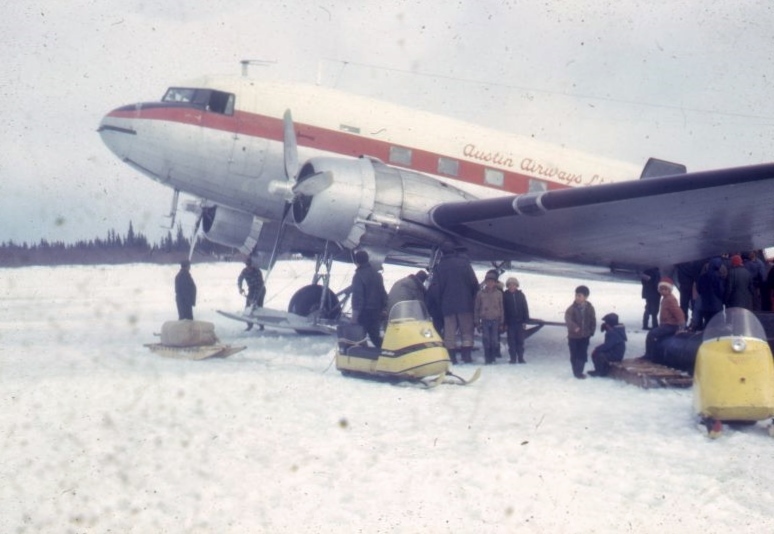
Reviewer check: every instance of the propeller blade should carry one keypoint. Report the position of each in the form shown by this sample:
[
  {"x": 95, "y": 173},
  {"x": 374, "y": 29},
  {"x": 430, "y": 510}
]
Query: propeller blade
[
  {"x": 290, "y": 147},
  {"x": 314, "y": 184}
]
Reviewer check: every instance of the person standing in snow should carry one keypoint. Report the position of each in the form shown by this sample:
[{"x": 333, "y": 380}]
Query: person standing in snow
[
  {"x": 581, "y": 321},
  {"x": 185, "y": 291},
  {"x": 739, "y": 286},
  {"x": 457, "y": 289},
  {"x": 488, "y": 316},
  {"x": 649, "y": 279},
  {"x": 369, "y": 297},
  {"x": 516, "y": 313},
  {"x": 256, "y": 289}
]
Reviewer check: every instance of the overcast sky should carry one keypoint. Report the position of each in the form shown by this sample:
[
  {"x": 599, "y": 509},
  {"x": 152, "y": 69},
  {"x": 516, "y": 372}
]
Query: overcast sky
[{"x": 686, "y": 81}]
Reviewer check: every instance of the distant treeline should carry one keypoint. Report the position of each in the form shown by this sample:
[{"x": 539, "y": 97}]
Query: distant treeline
[{"x": 133, "y": 247}]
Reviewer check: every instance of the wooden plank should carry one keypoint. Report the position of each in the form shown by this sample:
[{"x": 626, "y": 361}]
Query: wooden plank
[{"x": 646, "y": 374}]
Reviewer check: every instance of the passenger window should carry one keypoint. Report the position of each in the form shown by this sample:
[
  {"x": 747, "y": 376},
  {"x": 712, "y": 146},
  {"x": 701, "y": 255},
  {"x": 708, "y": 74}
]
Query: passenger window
[
  {"x": 400, "y": 155},
  {"x": 537, "y": 186},
  {"x": 448, "y": 166},
  {"x": 494, "y": 177}
]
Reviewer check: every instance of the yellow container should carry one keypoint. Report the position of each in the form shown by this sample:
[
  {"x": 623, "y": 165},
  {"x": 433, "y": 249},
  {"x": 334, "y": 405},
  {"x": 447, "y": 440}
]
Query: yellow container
[{"x": 734, "y": 374}]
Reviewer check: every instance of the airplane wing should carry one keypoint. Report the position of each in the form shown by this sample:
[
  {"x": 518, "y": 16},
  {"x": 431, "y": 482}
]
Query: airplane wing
[{"x": 654, "y": 221}]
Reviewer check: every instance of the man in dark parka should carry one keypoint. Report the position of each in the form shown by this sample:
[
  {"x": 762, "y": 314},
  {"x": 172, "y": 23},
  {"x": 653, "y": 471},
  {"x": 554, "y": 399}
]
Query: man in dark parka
[
  {"x": 185, "y": 291},
  {"x": 457, "y": 288},
  {"x": 369, "y": 297}
]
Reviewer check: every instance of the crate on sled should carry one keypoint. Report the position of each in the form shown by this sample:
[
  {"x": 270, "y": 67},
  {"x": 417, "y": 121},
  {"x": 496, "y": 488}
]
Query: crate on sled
[{"x": 188, "y": 333}]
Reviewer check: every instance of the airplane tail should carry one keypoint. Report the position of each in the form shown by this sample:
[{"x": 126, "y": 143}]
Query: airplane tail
[{"x": 655, "y": 168}]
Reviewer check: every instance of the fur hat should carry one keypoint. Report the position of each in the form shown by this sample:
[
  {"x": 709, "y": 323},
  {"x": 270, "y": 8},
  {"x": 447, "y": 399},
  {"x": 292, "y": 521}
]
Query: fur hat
[
  {"x": 583, "y": 290},
  {"x": 666, "y": 282},
  {"x": 421, "y": 276},
  {"x": 736, "y": 260},
  {"x": 361, "y": 257},
  {"x": 512, "y": 280}
]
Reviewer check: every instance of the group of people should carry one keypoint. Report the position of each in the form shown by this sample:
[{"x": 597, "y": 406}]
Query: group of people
[
  {"x": 731, "y": 280},
  {"x": 185, "y": 289},
  {"x": 581, "y": 320},
  {"x": 457, "y": 302},
  {"x": 460, "y": 305}
]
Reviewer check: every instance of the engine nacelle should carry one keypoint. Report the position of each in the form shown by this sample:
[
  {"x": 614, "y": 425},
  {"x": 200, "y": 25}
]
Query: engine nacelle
[
  {"x": 231, "y": 228},
  {"x": 367, "y": 193},
  {"x": 226, "y": 226},
  {"x": 332, "y": 213}
]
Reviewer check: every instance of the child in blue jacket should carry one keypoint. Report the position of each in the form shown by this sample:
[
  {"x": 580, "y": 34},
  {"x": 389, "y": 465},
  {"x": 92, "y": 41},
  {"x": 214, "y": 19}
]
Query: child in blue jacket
[{"x": 614, "y": 347}]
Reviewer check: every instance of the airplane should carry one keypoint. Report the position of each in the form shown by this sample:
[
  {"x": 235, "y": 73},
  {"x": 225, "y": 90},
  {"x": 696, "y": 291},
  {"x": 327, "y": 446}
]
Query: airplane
[{"x": 281, "y": 167}]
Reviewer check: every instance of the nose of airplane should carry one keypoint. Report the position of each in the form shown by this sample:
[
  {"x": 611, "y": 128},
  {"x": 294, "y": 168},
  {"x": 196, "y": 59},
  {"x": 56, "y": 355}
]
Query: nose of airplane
[{"x": 118, "y": 132}]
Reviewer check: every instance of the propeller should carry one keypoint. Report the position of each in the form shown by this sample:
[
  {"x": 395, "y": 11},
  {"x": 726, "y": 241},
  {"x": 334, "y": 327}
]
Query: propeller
[
  {"x": 294, "y": 185},
  {"x": 289, "y": 146}
]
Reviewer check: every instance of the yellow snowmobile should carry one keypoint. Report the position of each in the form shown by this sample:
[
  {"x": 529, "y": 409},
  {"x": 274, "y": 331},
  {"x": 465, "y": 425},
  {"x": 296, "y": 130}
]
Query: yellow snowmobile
[
  {"x": 734, "y": 376},
  {"x": 411, "y": 350}
]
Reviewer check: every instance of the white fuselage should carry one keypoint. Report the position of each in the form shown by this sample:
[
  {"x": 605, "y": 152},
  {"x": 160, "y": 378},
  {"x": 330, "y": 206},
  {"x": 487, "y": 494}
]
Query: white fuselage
[{"x": 230, "y": 158}]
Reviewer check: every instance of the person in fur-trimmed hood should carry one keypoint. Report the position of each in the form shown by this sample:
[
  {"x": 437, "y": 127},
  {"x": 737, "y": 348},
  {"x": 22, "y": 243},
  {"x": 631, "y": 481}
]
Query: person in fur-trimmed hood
[
  {"x": 613, "y": 348},
  {"x": 671, "y": 318}
]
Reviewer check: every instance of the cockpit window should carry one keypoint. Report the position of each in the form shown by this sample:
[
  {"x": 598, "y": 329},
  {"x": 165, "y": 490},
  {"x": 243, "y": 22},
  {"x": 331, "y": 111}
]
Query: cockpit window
[
  {"x": 207, "y": 99},
  {"x": 178, "y": 94}
]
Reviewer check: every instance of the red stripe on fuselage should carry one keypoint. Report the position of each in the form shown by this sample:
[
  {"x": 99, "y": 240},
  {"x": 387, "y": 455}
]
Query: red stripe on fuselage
[{"x": 244, "y": 123}]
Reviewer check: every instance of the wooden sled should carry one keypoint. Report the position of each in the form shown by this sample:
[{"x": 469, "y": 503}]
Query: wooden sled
[
  {"x": 201, "y": 352},
  {"x": 646, "y": 374}
]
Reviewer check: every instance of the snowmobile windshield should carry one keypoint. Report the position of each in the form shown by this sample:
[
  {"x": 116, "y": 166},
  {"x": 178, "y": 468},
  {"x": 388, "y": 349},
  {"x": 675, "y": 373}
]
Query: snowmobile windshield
[
  {"x": 408, "y": 310},
  {"x": 736, "y": 322}
]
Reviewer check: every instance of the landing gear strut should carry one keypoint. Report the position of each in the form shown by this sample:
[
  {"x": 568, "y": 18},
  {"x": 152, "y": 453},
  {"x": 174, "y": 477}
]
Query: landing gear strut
[{"x": 317, "y": 301}]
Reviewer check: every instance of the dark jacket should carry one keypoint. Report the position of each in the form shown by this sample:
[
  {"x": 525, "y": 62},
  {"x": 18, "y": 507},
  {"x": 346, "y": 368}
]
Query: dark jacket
[
  {"x": 515, "y": 307},
  {"x": 457, "y": 284},
  {"x": 614, "y": 345},
  {"x": 739, "y": 290},
  {"x": 368, "y": 291},
  {"x": 408, "y": 288},
  {"x": 650, "y": 279},
  {"x": 252, "y": 276},
  {"x": 185, "y": 288},
  {"x": 711, "y": 287}
]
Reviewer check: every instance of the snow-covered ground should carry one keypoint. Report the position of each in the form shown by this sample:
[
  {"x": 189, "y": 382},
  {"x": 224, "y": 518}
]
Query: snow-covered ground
[{"x": 98, "y": 434}]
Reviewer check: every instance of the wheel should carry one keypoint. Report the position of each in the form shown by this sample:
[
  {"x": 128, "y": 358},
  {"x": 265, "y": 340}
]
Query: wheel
[{"x": 306, "y": 302}]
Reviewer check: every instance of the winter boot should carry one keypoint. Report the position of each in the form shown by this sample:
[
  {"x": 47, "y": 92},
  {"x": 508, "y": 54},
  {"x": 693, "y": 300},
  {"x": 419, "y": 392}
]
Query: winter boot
[
  {"x": 453, "y": 356},
  {"x": 466, "y": 358},
  {"x": 521, "y": 358},
  {"x": 488, "y": 356}
]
